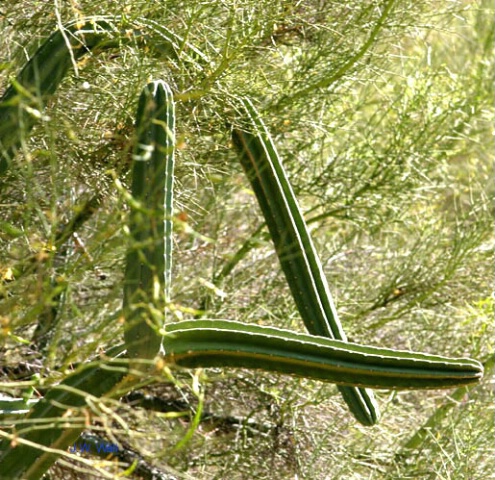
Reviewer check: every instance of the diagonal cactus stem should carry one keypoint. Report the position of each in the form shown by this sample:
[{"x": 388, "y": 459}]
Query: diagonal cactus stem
[
  {"x": 31, "y": 459},
  {"x": 293, "y": 244}
]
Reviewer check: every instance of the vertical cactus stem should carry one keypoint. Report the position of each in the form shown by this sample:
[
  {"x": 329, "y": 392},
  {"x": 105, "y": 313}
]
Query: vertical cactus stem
[{"x": 149, "y": 258}]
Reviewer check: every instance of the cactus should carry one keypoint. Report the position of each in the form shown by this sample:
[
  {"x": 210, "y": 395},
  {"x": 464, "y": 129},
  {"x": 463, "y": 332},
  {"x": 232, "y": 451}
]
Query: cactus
[
  {"x": 149, "y": 259},
  {"x": 221, "y": 343},
  {"x": 147, "y": 285},
  {"x": 294, "y": 247},
  {"x": 26, "y": 456}
]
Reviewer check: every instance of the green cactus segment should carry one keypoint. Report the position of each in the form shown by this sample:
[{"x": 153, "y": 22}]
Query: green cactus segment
[
  {"x": 295, "y": 249},
  {"x": 54, "y": 421},
  {"x": 222, "y": 343},
  {"x": 22, "y": 104},
  {"x": 149, "y": 258}
]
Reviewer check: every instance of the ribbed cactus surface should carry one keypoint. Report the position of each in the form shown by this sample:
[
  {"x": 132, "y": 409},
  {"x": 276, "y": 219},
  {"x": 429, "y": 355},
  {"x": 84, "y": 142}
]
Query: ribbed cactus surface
[{"x": 149, "y": 257}]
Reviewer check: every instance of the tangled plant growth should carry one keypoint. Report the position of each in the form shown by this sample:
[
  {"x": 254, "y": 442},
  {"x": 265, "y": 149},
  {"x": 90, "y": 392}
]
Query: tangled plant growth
[
  {"x": 382, "y": 179},
  {"x": 148, "y": 272}
]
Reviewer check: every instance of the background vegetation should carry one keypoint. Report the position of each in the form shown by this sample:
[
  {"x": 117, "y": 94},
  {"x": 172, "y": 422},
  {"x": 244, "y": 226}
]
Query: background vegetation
[{"x": 382, "y": 111}]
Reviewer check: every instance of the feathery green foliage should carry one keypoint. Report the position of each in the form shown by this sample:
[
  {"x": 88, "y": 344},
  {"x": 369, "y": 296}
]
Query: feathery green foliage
[{"x": 391, "y": 173}]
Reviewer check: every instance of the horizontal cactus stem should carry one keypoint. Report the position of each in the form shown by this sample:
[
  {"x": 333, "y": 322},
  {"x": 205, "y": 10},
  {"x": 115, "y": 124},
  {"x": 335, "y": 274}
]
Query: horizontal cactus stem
[{"x": 216, "y": 343}]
